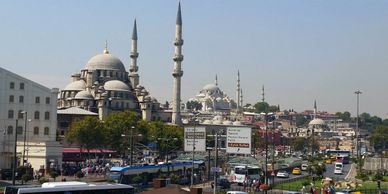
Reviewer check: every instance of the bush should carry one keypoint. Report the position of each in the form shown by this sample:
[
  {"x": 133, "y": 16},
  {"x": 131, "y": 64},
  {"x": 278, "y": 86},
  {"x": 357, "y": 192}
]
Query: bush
[
  {"x": 378, "y": 177},
  {"x": 43, "y": 180},
  {"x": 363, "y": 176},
  {"x": 174, "y": 179},
  {"x": 26, "y": 177},
  {"x": 137, "y": 179},
  {"x": 54, "y": 174},
  {"x": 79, "y": 174}
]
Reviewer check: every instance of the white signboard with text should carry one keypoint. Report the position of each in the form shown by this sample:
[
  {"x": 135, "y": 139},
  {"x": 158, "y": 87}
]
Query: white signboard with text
[
  {"x": 238, "y": 140},
  {"x": 195, "y": 137}
]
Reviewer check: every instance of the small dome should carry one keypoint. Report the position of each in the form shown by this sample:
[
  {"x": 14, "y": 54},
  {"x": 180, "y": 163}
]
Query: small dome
[
  {"x": 105, "y": 62},
  {"x": 76, "y": 85},
  {"x": 83, "y": 95},
  {"x": 116, "y": 85},
  {"x": 317, "y": 122}
]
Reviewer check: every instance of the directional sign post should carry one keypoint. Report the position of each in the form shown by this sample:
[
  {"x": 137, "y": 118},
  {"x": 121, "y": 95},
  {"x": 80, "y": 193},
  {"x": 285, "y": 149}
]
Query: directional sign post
[{"x": 238, "y": 140}]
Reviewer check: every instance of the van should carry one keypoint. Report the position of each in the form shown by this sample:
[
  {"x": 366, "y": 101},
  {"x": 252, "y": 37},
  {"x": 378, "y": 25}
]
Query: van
[
  {"x": 304, "y": 167},
  {"x": 236, "y": 192}
]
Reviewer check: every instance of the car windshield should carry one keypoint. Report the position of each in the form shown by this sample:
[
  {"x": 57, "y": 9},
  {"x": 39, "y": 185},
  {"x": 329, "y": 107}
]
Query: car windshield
[{"x": 240, "y": 171}]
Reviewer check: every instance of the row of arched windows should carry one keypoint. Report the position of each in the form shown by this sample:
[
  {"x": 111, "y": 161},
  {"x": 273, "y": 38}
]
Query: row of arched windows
[
  {"x": 11, "y": 115},
  {"x": 19, "y": 130}
]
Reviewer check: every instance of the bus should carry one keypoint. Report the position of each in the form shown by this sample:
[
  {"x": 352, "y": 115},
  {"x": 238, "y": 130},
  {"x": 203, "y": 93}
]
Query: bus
[
  {"x": 71, "y": 187},
  {"x": 124, "y": 175},
  {"x": 243, "y": 173},
  {"x": 337, "y": 152},
  {"x": 344, "y": 159}
]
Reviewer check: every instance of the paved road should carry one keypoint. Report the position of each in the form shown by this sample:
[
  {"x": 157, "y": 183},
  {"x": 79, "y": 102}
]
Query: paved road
[{"x": 330, "y": 172}]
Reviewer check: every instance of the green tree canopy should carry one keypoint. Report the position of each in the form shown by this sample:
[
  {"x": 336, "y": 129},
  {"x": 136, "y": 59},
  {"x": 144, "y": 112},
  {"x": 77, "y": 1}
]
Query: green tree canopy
[
  {"x": 168, "y": 137},
  {"x": 345, "y": 116},
  {"x": 120, "y": 123},
  {"x": 379, "y": 137},
  {"x": 301, "y": 121},
  {"x": 87, "y": 133},
  {"x": 193, "y": 105},
  {"x": 299, "y": 143},
  {"x": 261, "y": 107}
]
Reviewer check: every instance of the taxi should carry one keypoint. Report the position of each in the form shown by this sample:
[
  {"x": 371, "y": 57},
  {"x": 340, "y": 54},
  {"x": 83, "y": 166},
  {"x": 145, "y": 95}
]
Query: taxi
[
  {"x": 296, "y": 171},
  {"x": 328, "y": 161}
]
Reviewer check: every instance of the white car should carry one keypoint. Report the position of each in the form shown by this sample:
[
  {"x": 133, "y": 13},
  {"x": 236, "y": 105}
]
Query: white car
[
  {"x": 338, "y": 170},
  {"x": 304, "y": 167},
  {"x": 282, "y": 174}
]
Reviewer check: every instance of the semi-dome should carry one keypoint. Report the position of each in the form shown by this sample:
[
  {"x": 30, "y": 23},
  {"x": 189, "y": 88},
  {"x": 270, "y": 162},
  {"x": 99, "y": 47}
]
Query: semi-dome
[
  {"x": 105, "y": 62},
  {"x": 317, "y": 122},
  {"x": 116, "y": 85},
  {"x": 76, "y": 86},
  {"x": 83, "y": 95}
]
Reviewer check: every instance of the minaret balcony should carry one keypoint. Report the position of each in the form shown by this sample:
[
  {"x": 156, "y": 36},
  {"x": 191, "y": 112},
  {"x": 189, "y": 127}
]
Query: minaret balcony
[
  {"x": 134, "y": 54},
  {"x": 178, "y": 58},
  {"x": 177, "y": 73},
  {"x": 133, "y": 68},
  {"x": 178, "y": 42}
]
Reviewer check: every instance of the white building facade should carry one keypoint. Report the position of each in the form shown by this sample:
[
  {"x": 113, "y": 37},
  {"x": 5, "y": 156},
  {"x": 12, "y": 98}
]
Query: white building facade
[{"x": 30, "y": 110}]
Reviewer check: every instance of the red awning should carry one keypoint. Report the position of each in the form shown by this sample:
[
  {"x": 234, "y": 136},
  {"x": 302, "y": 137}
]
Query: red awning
[{"x": 78, "y": 150}]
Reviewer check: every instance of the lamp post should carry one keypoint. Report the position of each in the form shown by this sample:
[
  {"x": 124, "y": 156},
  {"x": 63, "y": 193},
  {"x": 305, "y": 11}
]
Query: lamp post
[
  {"x": 358, "y": 92},
  {"x": 25, "y": 136},
  {"x": 193, "y": 154},
  {"x": 14, "y": 155},
  {"x": 131, "y": 145}
]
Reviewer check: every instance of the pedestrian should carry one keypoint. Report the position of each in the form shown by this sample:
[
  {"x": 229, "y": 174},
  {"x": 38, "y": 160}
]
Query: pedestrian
[
  {"x": 331, "y": 188},
  {"x": 303, "y": 190}
]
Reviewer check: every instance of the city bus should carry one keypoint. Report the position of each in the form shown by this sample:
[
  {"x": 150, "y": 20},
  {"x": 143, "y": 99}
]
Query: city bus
[
  {"x": 124, "y": 175},
  {"x": 71, "y": 187},
  {"x": 337, "y": 152},
  {"x": 243, "y": 173}
]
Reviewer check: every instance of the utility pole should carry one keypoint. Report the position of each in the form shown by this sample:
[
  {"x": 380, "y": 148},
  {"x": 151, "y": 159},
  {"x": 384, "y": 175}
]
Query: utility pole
[
  {"x": 25, "y": 136},
  {"x": 131, "y": 153},
  {"x": 216, "y": 164},
  {"x": 192, "y": 167}
]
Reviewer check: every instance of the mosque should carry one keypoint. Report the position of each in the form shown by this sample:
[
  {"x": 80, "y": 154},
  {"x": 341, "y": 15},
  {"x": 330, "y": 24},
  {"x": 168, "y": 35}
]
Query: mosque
[{"x": 104, "y": 86}]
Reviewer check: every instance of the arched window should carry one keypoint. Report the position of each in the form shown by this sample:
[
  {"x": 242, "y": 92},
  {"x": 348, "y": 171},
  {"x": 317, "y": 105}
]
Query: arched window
[
  {"x": 46, "y": 131},
  {"x": 10, "y": 130},
  {"x": 46, "y": 115},
  {"x": 36, "y": 130},
  {"x": 36, "y": 115}
]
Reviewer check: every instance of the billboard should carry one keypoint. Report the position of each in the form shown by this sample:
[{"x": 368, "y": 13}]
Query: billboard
[
  {"x": 195, "y": 137},
  {"x": 238, "y": 140}
]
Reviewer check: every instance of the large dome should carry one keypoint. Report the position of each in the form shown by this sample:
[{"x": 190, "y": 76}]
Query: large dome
[
  {"x": 116, "y": 85},
  {"x": 211, "y": 87},
  {"x": 105, "y": 61}
]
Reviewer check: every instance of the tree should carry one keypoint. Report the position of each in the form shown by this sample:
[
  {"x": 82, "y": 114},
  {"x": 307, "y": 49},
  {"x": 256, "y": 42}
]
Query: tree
[
  {"x": 87, "y": 133},
  {"x": 301, "y": 120},
  {"x": 379, "y": 137},
  {"x": 193, "y": 105},
  {"x": 299, "y": 143},
  {"x": 169, "y": 137},
  {"x": 117, "y": 124},
  {"x": 261, "y": 107},
  {"x": 54, "y": 174},
  {"x": 345, "y": 116}
]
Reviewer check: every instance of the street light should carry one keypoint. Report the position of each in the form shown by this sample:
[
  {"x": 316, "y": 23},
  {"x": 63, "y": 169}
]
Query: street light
[
  {"x": 25, "y": 136},
  {"x": 358, "y": 92},
  {"x": 192, "y": 169},
  {"x": 131, "y": 147}
]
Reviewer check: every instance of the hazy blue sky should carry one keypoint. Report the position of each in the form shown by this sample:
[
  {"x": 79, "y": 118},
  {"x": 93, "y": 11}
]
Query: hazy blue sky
[{"x": 300, "y": 50}]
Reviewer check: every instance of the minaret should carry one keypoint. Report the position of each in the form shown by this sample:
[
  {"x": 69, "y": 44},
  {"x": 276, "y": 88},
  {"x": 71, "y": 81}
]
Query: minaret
[
  {"x": 315, "y": 109},
  {"x": 238, "y": 91},
  {"x": 177, "y": 72},
  {"x": 262, "y": 94},
  {"x": 133, "y": 76},
  {"x": 241, "y": 99},
  {"x": 216, "y": 81}
]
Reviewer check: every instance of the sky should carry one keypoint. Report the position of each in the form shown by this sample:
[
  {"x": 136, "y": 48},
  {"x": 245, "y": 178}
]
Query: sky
[{"x": 300, "y": 50}]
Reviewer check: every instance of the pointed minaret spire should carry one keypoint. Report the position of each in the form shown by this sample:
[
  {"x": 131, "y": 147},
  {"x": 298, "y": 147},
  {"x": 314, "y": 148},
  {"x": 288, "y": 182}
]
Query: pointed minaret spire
[
  {"x": 216, "y": 81},
  {"x": 315, "y": 109},
  {"x": 106, "y": 48},
  {"x": 133, "y": 68},
  {"x": 179, "y": 15},
  {"x": 177, "y": 72}
]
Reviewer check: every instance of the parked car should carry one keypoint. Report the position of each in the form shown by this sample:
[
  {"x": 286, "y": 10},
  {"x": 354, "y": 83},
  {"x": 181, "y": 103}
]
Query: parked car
[
  {"x": 345, "y": 191},
  {"x": 222, "y": 183},
  {"x": 304, "y": 167},
  {"x": 283, "y": 174},
  {"x": 296, "y": 171}
]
